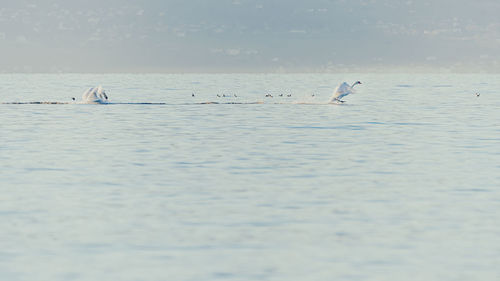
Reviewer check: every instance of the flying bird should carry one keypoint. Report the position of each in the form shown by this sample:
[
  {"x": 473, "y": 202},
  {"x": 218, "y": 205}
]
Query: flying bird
[
  {"x": 343, "y": 90},
  {"x": 95, "y": 95}
]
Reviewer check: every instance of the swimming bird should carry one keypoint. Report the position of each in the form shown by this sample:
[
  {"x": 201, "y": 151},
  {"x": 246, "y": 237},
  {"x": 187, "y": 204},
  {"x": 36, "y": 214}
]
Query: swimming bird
[
  {"x": 95, "y": 95},
  {"x": 343, "y": 90},
  {"x": 478, "y": 94},
  {"x": 192, "y": 95}
]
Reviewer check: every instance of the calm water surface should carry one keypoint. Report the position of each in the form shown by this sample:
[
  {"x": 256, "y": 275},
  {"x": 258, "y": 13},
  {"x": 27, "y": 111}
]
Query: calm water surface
[{"x": 400, "y": 183}]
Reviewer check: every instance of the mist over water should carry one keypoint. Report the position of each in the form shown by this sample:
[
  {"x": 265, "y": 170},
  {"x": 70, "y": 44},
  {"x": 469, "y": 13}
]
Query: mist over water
[
  {"x": 398, "y": 183},
  {"x": 240, "y": 36}
]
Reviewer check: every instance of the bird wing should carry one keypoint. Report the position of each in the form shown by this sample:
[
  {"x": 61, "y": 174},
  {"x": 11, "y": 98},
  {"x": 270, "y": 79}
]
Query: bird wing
[
  {"x": 91, "y": 95},
  {"x": 100, "y": 93},
  {"x": 87, "y": 93},
  {"x": 342, "y": 90}
]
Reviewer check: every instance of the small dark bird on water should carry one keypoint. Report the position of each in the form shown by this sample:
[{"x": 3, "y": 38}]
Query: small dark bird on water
[
  {"x": 73, "y": 98},
  {"x": 478, "y": 94},
  {"x": 218, "y": 95},
  {"x": 192, "y": 94}
]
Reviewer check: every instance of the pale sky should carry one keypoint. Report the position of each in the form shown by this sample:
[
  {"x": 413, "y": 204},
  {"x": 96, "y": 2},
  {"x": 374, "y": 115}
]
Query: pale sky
[{"x": 248, "y": 35}]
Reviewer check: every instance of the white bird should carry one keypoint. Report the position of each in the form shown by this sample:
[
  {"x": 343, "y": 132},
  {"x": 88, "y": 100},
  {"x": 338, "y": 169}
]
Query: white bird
[
  {"x": 343, "y": 90},
  {"x": 95, "y": 95}
]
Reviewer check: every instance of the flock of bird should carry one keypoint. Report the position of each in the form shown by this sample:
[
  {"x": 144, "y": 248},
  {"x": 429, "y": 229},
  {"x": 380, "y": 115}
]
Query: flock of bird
[
  {"x": 341, "y": 91},
  {"x": 235, "y": 96},
  {"x": 98, "y": 94}
]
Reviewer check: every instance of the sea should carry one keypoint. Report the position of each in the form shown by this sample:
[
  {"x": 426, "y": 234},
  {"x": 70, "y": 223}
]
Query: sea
[{"x": 203, "y": 177}]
